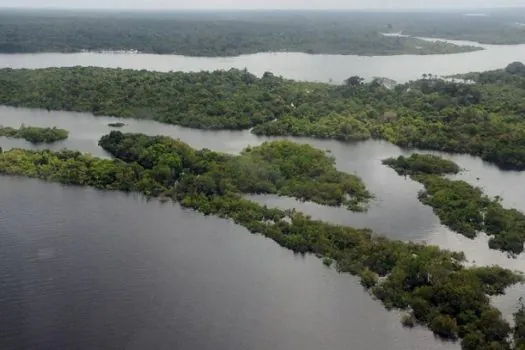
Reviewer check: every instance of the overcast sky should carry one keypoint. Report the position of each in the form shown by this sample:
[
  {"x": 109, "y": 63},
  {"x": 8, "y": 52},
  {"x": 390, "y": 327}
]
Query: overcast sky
[{"x": 261, "y": 4}]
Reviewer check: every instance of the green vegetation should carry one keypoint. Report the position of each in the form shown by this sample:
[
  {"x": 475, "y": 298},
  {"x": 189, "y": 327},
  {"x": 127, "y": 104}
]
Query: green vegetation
[
  {"x": 218, "y": 100},
  {"x": 433, "y": 284},
  {"x": 279, "y": 167},
  {"x": 34, "y": 134},
  {"x": 519, "y": 327},
  {"x": 116, "y": 125},
  {"x": 422, "y": 164},
  {"x": 206, "y": 34},
  {"x": 462, "y": 207},
  {"x": 500, "y": 27},
  {"x": 408, "y": 321},
  {"x": 482, "y": 119}
]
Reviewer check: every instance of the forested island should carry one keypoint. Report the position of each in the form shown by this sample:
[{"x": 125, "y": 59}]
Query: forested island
[
  {"x": 35, "y": 134},
  {"x": 461, "y": 206},
  {"x": 432, "y": 284},
  {"x": 482, "y": 119},
  {"x": 418, "y": 164},
  {"x": 116, "y": 125},
  {"x": 209, "y": 34}
]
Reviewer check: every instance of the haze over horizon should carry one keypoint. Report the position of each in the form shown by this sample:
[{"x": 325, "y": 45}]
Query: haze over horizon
[{"x": 263, "y": 4}]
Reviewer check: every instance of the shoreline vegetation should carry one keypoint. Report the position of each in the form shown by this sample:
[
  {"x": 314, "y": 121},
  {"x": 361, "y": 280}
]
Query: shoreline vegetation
[
  {"x": 35, "y": 135},
  {"x": 481, "y": 119},
  {"x": 460, "y": 206},
  {"x": 432, "y": 284},
  {"x": 207, "y": 34}
]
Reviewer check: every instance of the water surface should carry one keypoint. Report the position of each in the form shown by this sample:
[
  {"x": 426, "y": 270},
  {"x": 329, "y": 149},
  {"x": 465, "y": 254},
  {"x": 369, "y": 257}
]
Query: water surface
[{"x": 298, "y": 66}]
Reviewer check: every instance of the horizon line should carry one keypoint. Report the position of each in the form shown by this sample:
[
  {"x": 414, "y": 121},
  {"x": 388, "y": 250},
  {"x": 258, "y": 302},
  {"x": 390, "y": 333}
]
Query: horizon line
[{"x": 374, "y": 9}]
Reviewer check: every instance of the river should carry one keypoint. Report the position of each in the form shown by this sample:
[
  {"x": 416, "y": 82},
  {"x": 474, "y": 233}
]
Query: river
[
  {"x": 298, "y": 66},
  {"x": 87, "y": 269}
]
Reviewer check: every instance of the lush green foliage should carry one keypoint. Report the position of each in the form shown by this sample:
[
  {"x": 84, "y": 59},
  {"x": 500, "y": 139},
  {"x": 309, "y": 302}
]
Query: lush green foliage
[
  {"x": 441, "y": 293},
  {"x": 482, "y": 119},
  {"x": 206, "y": 34},
  {"x": 463, "y": 207},
  {"x": 422, "y": 164},
  {"x": 232, "y": 100},
  {"x": 519, "y": 328},
  {"x": 279, "y": 167},
  {"x": 35, "y": 134}
]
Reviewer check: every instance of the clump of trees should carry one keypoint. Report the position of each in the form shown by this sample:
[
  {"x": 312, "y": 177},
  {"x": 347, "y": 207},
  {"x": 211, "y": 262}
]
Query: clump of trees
[
  {"x": 279, "y": 167},
  {"x": 433, "y": 284},
  {"x": 35, "y": 134},
  {"x": 116, "y": 125},
  {"x": 462, "y": 207},
  {"x": 422, "y": 164}
]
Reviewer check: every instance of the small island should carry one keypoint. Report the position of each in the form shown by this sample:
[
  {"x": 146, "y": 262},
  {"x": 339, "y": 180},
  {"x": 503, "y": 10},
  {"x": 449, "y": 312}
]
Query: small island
[
  {"x": 116, "y": 125},
  {"x": 34, "y": 134},
  {"x": 422, "y": 164},
  {"x": 460, "y": 206},
  {"x": 433, "y": 285}
]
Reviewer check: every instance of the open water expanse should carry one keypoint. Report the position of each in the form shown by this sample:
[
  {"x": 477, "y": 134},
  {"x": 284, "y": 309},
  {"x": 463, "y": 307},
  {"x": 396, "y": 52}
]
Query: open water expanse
[
  {"x": 293, "y": 65},
  {"x": 86, "y": 269}
]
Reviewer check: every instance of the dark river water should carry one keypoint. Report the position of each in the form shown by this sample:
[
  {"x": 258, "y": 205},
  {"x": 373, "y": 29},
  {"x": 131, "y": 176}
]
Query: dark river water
[{"x": 85, "y": 269}]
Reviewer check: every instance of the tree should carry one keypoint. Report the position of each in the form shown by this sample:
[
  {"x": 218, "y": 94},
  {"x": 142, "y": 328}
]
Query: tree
[{"x": 354, "y": 81}]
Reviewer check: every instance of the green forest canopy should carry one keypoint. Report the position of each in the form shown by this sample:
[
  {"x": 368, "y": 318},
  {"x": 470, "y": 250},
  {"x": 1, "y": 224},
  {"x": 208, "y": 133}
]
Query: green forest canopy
[
  {"x": 461, "y": 206},
  {"x": 442, "y": 294},
  {"x": 482, "y": 119},
  {"x": 35, "y": 134},
  {"x": 209, "y": 34}
]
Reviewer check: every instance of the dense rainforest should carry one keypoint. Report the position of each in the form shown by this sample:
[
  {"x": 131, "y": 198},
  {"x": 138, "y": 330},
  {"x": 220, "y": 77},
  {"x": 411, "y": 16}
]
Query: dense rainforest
[
  {"x": 431, "y": 284},
  {"x": 35, "y": 134},
  {"x": 461, "y": 206},
  {"x": 207, "y": 34},
  {"x": 481, "y": 118}
]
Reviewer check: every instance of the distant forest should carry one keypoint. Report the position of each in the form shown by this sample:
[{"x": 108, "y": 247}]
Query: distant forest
[{"x": 231, "y": 33}]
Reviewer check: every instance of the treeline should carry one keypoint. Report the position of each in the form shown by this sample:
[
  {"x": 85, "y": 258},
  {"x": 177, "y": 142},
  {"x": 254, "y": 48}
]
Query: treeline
[
  {"x": 35, "y": 134},
  {"x": 482, "y": 119},
  {"x": 432, "y": 284},
  {"x": 226, "y": 34},
  {"x": 461, "y": 206}
]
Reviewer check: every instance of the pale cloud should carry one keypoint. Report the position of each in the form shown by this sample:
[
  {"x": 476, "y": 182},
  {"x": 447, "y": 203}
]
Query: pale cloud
[{"x": 263, "y": 4}]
